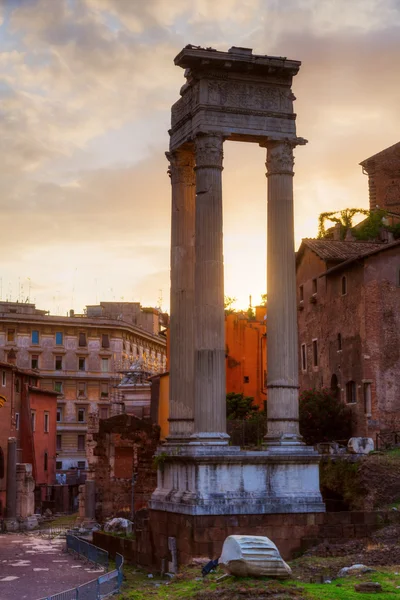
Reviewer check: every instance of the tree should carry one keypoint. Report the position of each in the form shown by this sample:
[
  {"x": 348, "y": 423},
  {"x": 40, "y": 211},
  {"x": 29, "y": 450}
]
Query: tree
[
  {"x": 323, "y": 417},
  {"x": 344, "y": 217},
  {"x": 228, "y": 301},
  {"x": 264, "y": 298},
  {"x": 239, "y": 406}
]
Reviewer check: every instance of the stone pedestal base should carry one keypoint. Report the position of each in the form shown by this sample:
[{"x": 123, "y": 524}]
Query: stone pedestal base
[
  {"x": 227, "y": 481},
  {"x": 11, "y": 524},
  {"x": 28, "y": 523}
]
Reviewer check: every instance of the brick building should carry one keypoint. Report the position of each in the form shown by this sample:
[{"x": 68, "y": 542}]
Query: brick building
[
  {"x": 80, "y": 357},
  {"x": 28, "y": 414},
  {"x": 349, "y": 326},
  {"x": 383, "y": 170}
]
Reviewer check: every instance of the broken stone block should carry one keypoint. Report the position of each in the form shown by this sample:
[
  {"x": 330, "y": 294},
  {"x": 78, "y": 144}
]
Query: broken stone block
[
  {"x": 368, "y": 586},
  {"x": 119, "y": 525},
  {"x": 360, "y": 445},
  {"x": 252, "y": 556},
  {"x": 354, "y": 570}
]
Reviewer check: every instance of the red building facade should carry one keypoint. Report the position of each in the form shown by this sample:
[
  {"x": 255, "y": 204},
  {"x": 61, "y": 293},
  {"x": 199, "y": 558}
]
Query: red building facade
[
  {"x": 28, "y": 414},
  {"x": 349, "y": 327}
]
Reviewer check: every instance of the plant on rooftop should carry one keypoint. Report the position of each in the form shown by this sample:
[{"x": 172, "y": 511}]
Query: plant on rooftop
[
  {"x": 344, "y": 217},
  {"x": 323, "y": 417}
]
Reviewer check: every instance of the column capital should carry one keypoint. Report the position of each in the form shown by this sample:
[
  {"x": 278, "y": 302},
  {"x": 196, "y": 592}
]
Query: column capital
[
  {"x": 280, "y": 160},
  {"x": 209, "y": 151},
  {"x": 181, "y": 166}
]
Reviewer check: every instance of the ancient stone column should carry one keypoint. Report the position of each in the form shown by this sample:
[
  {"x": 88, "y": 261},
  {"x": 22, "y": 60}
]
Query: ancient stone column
[
  {"x": 11, "y": 495},
  {"x": 209, "y": 356},
  {"x": 282, "y": 405},
  {"x": 90, "y": 499},
  {"x": 181, "y": 388}
]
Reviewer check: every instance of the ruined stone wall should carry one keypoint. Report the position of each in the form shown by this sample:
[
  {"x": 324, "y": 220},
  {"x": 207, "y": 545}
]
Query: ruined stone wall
[{"x": 124, "y": 445}]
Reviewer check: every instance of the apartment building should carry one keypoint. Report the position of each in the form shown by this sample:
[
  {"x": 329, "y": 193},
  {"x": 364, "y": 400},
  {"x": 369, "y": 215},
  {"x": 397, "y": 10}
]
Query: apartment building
[{"x": 80, "y": 357}]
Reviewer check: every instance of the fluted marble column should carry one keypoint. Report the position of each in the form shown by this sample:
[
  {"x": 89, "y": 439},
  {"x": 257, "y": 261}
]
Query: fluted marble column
[
  {"x": 209, "y": 356},
  {"x": 181, "y": 385},
  {"x": 282, "y": 404}
]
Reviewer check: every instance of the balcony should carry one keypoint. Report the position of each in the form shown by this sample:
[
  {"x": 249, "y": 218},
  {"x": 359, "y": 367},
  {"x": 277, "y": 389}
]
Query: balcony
[{"x": 71, "y": 426}]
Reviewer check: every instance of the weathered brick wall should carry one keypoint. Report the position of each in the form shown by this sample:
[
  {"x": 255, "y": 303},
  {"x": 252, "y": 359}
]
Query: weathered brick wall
[
  {"x": 124, "y": 445},
  {"x": 203, "y": 536}
]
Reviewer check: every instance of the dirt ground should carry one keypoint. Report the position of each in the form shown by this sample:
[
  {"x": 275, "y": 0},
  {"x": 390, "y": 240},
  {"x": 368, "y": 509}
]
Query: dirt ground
[{"x": 33, "y": 567}]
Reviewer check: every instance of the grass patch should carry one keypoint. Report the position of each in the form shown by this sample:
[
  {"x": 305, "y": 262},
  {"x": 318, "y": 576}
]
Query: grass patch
[
  {"x": 63, "y": 521},
  {"x": 119, "y": 534},
  {"x": 189, "y": 585}
]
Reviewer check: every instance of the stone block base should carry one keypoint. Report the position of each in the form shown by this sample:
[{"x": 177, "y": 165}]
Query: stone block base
[
  {"x": 11, "y": 525},
  {"x": 227, "y": 481}
]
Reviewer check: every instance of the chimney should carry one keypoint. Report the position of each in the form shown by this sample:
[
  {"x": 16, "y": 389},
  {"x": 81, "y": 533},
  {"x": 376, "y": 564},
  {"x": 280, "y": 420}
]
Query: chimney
[
  {"x": 336, "y": 231},
  {"x": 12, "y": 357},
  {"x": 72, "y": 312}
]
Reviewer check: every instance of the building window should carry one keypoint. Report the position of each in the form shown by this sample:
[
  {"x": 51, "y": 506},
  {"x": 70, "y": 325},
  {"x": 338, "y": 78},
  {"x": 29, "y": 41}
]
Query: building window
[
  {"x": 59, "y": 338},
  {"x": 59, "y": 415},
  {"x": 2, "y": 465},
  {"x": 315, "y": 352},
  {"x": 105, "y": 340},
  {"x": 344, "y": 285},
  {"x": 104, "y": 413},
  {"x": 104, "y": 365},
  {"x": 367, "y": 399},
  {"x": 10, "y": 335},
  {"x": 3, "y": 378},
  {"x": 81, "y": 442},
  {"x": 58, "y": 387},
  {"x": 303, "y": 357},
  {"x": 59, "y": 442},
  {"x": 46, "y": 422},
  {"x": 81, "y": 464},
  {"x": 81, "y": 389},
  {"x": 59, "y": 465},
  {"x": 82, "y": 340},
  {"x": 314, "y": 286},
  {"x": 351, "y": 392},
  {"x": 34, "y": 361},
  {"x": 246, "y": 379},
  {"x": 58, "y": 363},
  {"x": 339, "y": 341},
  {"x": 33, "y": 420},
  {"x": 104, "y": 390},
  {"x": 301, "y": 293},
  {"x": 45, "y": 462},
  {"x": 81, "y": 364},
  {"x": 33, "y": 381},
  {"x": 17, "y": 421},
  {"x": 35, "y": 336},
  {"x": 81, "y": 415},
  {"x": 17, "y": 385}
]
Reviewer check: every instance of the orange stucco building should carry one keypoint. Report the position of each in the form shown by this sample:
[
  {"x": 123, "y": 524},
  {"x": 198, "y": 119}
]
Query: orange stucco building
[{"x": 246, "y": 355}]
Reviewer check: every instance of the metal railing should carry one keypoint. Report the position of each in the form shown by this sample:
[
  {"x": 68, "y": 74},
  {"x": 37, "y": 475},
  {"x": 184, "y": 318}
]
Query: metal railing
[
  {"x": 86, "y": 550},
  {"x": 249, "y": 432},
  {"x": 104, "y": 586}
]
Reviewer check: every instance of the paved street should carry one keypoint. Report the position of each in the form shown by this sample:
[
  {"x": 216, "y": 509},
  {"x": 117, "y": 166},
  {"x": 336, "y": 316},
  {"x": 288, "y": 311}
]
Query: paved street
[{"x": 32, "y": 567}]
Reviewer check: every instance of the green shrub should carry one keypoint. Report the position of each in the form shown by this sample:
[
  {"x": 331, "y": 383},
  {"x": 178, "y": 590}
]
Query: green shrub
[{"x": 323, "y": 417}]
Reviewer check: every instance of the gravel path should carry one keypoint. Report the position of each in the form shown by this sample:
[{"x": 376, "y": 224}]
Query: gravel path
[{"x": 33, "y": 567}]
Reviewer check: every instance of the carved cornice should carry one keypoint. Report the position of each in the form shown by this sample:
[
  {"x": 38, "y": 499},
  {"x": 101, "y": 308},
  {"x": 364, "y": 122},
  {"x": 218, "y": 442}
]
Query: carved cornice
[
  {"x": 209, "y": 151},
  {"x": 181, "y": 167},
  {"x": 280, "y": 159}
]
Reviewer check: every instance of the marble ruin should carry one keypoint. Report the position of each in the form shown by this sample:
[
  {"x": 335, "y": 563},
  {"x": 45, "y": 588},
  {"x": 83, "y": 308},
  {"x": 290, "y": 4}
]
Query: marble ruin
[{"x": 238, "y": 96}]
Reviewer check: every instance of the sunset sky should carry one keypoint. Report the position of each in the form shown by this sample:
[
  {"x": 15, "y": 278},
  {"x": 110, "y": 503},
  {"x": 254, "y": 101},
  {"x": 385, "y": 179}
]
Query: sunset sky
[{"x": 86, "y": 88}]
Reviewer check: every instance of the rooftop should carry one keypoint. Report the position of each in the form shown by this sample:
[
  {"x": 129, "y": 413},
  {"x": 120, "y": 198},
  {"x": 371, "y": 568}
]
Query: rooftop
[{"x": 337, "y": 250}]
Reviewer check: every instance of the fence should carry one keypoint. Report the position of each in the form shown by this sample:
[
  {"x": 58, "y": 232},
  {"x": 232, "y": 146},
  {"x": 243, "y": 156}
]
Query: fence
[
  {"x": 97, "y": 589},
  {"x": 247, "y": 433},
  {"x": 85, "y": 550}
]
